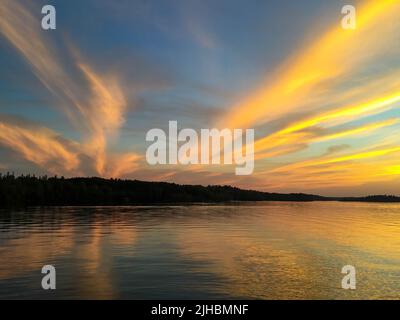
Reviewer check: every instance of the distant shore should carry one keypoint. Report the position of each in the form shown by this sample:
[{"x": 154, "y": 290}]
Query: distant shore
[{"x": 29, "y": 190}]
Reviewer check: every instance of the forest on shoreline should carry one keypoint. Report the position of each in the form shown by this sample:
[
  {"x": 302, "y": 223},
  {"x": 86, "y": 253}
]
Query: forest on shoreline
[{"x": 30, "y": 190}]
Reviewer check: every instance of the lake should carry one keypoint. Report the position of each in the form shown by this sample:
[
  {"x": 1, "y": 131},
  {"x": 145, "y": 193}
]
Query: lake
[{"x": 265, "y": 250}]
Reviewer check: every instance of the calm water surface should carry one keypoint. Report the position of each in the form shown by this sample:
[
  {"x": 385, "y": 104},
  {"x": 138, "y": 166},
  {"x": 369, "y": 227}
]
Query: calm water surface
[{"x": 273, "y": 250}]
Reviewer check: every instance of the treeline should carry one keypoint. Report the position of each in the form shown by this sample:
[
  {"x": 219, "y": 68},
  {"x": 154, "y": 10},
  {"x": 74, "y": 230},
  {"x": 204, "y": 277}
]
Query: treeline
[
  {"x": 375, "y": 198},
  {"x": 29, "y": 190}
]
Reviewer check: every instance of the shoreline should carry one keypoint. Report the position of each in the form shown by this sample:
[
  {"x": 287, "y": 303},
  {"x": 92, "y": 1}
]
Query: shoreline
[{"x": 32, "y": 191}]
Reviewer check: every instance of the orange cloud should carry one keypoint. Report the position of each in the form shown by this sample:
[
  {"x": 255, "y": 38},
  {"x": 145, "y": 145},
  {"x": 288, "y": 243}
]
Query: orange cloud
[
  {"x": 334, "y": 55},
  {"x": 104, "y": 114},
  {"x": 293, "y": 134},
  {"x": 40, "y": 146},
  {"x": 123, "y": 165}
]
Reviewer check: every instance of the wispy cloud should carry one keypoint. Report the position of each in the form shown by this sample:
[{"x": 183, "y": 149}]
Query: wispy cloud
[
  {"x": 331, "y": 87},
  {"x": 104, "y": 114},
  {"x": 336, "y": 54},
  {"x": 41, "y": 146},
  {"x": 95, "y": 103}
]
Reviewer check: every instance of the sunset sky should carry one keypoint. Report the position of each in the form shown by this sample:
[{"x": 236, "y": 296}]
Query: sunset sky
[{"x": 324, "y": 101}]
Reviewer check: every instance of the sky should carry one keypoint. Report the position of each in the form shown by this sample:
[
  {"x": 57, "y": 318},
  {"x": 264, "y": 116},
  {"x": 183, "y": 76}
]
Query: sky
[{"x": 323, "y": 101}]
